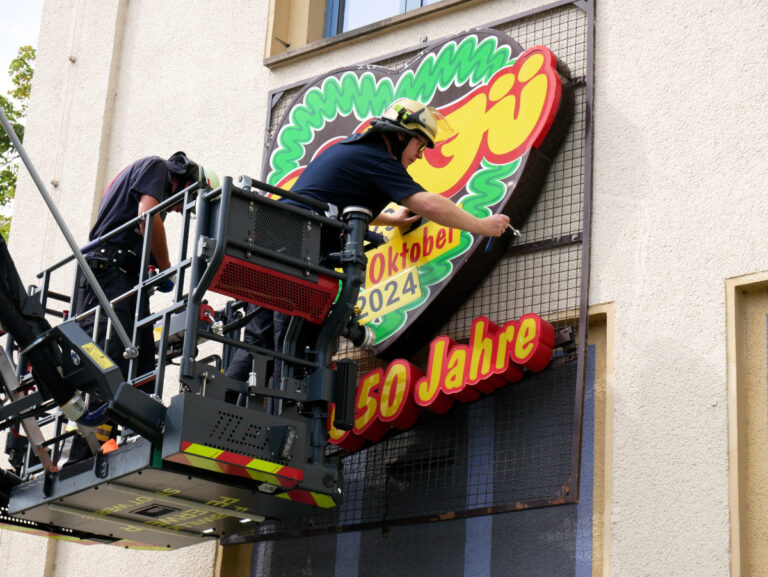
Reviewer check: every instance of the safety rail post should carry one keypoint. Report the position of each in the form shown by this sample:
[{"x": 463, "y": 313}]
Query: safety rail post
[
  {"x": 202, "y": 210},
  {"x": 201, "y": 275},
  {"x": 184, "y": 241},
  {"x": 144, "y": 260},
  {"x": 178, "y": 295}
]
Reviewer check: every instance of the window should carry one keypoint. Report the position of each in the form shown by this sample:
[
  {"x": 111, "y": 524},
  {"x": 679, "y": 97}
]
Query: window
[
  {"x": 343, "y": 15},
  {"x": 296, "y": 27}
]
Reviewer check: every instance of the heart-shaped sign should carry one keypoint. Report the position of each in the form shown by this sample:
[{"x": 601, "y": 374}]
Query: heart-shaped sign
[{"x": 509, "y": 109}]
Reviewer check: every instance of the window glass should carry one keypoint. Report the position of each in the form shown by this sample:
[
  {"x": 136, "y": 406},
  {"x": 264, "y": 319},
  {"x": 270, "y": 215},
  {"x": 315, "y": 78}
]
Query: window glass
[{"x": 361, "y": 12}]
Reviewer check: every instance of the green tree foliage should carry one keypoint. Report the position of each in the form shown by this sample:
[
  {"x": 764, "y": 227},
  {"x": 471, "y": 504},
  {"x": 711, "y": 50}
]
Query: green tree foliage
[{"x": 15, "y": 109}]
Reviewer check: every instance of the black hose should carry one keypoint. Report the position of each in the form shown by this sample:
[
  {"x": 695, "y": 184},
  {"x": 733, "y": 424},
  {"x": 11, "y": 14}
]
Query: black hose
[
  {"x": 8, "y": 481},
  {"x": 42, "y": 357},
  {"x": 96, "y": 417},
  {"x": 375, "y": 239}
]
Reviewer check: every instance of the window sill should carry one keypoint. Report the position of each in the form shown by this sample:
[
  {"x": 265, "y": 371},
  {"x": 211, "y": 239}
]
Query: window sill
[{"x": 368, "y": 31}]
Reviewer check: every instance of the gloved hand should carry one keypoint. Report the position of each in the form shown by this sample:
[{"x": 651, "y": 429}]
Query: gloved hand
[{"x": 167, "y": 285}]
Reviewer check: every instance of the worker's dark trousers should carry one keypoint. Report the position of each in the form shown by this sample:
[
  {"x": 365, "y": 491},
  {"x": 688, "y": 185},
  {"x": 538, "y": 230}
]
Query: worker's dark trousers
[
  {"x": 265, "y": 329},
  {"x": 114, "y": 282}
]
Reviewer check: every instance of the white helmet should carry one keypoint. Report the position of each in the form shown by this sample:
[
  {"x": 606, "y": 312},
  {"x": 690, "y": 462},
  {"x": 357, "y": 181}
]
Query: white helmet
[{"x": 413, "y": 118}]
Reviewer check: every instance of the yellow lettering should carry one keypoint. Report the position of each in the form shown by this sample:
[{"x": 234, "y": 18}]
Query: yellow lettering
[
  {"x": 481, "y": 346},
  {"x": 525, "y": 338},
  {"x": 222, "y": 501},
  {"x": 457, "y": 362},
  {"x": 393, "y": 391},
  {"x": 428, "y": 387},
  {"x": 498, "y": 121},
  {"x": 366, "y": 400},
  {"x": 454, "y": 372},
  {"x": 505, "y": 344},
  {"x": 471, "y": 124}
]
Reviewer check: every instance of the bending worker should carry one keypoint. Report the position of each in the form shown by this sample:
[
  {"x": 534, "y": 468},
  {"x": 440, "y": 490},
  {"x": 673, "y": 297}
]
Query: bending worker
[
  {"x": 370, "y": 170},
  {"x": 115, "y": 263}
]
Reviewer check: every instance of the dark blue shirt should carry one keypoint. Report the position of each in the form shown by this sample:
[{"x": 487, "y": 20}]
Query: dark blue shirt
[
  {"x": 120, "y": 203},
  {"x": 357, "y": 172}
]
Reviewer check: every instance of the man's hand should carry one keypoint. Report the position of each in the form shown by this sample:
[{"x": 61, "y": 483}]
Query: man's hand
[
  {"x": 402, "y": 216},
  {"x": 441, "y": 210},
  {"x": 495, "y": 225},
  {"x": 167, "y": 285}
]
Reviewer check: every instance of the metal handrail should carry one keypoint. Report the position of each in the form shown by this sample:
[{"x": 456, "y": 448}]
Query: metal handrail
[{"x": 167, "y": 203}]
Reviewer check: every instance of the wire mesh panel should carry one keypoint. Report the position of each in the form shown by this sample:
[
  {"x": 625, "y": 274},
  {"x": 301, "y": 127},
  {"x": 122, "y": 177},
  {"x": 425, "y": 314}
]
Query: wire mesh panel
[{"x": 516, "y": 448}]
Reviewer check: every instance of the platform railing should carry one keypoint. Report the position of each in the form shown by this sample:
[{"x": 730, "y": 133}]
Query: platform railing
[
  {"x": 60, "y": 306},
  {"x": 308, "y": 382}
]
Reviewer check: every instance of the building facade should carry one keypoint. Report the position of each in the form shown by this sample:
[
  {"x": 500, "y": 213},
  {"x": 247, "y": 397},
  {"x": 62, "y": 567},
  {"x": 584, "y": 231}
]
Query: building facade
[{"x": 665, "y": 151}]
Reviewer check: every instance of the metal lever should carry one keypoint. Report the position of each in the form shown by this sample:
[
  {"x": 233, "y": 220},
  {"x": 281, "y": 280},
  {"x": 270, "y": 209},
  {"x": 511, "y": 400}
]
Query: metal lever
[{"x": 29, "y": 424}]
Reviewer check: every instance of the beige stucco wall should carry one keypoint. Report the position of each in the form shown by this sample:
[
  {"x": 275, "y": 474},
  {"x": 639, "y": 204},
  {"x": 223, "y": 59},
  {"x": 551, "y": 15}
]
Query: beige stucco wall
[{"x": 679, "y": 168}]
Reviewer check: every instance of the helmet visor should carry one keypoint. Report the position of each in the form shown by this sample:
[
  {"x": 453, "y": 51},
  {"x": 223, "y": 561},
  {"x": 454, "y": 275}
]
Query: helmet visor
[
  {"x": 444, "y": 130},
  {"x": 438, "y": 130}
]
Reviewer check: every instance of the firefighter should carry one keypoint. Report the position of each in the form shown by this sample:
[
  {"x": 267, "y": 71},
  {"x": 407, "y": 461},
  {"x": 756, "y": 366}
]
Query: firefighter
[
  {"x": 115, "y": 263},
  {"x": 370, "y": 170}
]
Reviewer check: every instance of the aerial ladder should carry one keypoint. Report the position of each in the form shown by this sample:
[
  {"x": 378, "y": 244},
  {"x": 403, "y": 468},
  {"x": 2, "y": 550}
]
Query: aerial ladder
[{"x": 218, "y": 456}]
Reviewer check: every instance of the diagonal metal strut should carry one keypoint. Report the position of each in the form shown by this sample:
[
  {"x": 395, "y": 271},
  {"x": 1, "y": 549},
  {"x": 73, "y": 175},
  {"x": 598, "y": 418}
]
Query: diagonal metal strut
[{"x": 130, "y": 349}]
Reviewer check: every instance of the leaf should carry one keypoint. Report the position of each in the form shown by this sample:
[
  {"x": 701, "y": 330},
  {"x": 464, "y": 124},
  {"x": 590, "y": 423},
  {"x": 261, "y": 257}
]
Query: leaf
[
  {"x": 20, "y": 70},
  {"x": 5, "y": 226}
]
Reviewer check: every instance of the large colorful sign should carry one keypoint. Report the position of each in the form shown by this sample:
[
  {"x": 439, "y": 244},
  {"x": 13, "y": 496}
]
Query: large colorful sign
[
  {"x": 495, "y": 356},
  {"x": 509, "y": 109}
]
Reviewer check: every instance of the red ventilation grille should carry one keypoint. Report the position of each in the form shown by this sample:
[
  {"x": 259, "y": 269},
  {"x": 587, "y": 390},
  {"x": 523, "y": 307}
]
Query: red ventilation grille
[{"x": 274, "y": 290}]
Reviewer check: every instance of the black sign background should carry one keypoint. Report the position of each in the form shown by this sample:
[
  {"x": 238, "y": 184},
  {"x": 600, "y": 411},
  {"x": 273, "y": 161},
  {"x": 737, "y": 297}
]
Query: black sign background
[{"x": 436, "y": 470}]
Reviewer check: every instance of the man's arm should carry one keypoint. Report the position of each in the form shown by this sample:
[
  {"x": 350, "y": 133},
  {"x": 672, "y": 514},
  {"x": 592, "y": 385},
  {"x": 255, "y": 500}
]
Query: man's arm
[
  {"x": 443, "y": 211},
  {"x": 159, "y": 247},
  {"x": 399, "y": 217}
]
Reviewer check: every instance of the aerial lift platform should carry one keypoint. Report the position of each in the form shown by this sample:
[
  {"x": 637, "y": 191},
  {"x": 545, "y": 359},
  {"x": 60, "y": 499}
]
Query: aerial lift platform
[{"x": 222, "y": 455}]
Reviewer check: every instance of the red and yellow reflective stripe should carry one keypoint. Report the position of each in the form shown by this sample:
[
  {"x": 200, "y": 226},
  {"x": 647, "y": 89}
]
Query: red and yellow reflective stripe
[
  {"x": 309, "y": 498},
  {"x": 219, "y": 461}
]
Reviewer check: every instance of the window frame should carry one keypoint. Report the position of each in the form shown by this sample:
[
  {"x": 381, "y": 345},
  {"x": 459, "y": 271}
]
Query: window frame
[
  {"x": 333, "y": 20},
  {"x": 310, "y": 47},
  {"x": 334, "y": 14}
]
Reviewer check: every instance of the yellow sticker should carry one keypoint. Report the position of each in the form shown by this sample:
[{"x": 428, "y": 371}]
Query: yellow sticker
[{"x": 98, "y": 356}]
